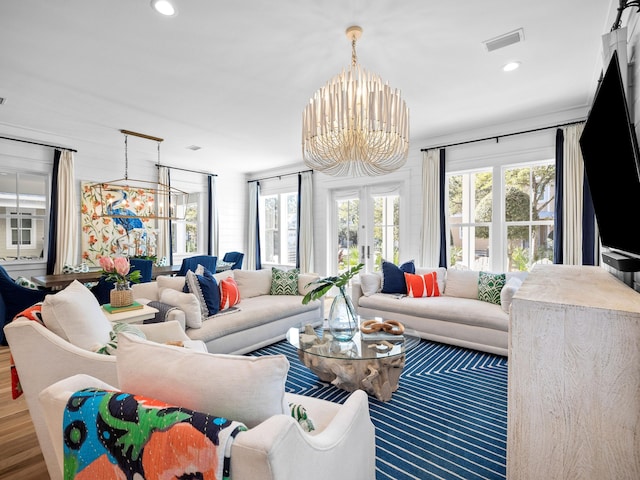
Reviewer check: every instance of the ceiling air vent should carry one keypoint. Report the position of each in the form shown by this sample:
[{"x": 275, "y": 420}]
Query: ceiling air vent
[
  {"x": 194, "y": 147},
  {"x": 504, "y": 40},
  {"x": 2, "y": 100}
]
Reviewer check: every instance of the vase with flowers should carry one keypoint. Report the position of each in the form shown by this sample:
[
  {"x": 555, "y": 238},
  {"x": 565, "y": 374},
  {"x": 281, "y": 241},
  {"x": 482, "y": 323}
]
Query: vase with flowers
[
  {"x": 342, "y": 320},
  {"x": 118, "y": 271}
]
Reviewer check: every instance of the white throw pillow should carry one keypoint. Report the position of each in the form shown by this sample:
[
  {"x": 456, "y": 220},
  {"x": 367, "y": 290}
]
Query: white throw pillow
[
  {"x": 370, "y": 283},
  {"x": 242, "y": 388},
  {"x": 441, "y": 273},
  {"x": 461, "y": 283},
  {"x": 187, "y": 302},
  {"x": 75, "y": 315},
  {"x": 508, "y": 291},
  {"x": 253, "y": 283},
  {"x": 174, "y": 283}
]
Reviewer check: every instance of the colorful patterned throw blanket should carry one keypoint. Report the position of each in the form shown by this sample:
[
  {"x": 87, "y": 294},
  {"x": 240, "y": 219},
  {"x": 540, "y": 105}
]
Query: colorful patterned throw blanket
[{"x": 117, "y": 435}]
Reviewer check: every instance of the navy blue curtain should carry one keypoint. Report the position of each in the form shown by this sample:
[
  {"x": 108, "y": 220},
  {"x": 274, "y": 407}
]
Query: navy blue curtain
[
  {"x": 588, "y": 227},
  {"x": 443, "y": 214},
  {"x": 258, "y": 259},
  {"x": 170, "y": 224},
  {"x": 53, "y": 214},
  {"x": 558, "y": 234},
  {"x": 298, "y": 225},
  {"x": 209, "y": 223}
]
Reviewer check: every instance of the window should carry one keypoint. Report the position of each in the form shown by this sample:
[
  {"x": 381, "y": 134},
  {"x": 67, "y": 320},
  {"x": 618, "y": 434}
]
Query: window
[
  {"x": 24, "y": 206},
  {"x": 529, "y": 214},
  {"x": 185, "y": 233},
  {"x": 470, "y": 219},
  {"x": 509, "y": 233},
  {"x": 279, "y": 228}
]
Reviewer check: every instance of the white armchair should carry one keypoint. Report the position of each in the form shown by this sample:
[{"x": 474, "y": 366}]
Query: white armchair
[
  {"x": 342, "y": 448},
  {"x": 42, "y": 358}
]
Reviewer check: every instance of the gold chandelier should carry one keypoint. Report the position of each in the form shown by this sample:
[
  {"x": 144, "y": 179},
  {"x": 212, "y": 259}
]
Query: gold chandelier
[{"x": 355, "y": 124}]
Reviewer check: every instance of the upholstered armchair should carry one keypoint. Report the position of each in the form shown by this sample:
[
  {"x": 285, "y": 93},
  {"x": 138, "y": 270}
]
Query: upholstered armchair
[
  {"x": 235, "y": 258},
  {"x": 41, "y": 358},
  {"x": 191, "y": 263},
  {"x": 14, "y": 298}
]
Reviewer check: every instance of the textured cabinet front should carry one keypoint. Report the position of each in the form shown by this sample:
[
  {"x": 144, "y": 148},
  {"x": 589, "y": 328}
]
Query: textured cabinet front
[{"x": 574, "y": 376}]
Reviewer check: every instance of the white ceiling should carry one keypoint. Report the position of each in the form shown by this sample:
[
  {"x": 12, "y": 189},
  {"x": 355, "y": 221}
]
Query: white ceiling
[{"x": 233, "y": 77}]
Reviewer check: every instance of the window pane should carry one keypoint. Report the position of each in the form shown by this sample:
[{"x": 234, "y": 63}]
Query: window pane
[
  {"x": 482, "y": 198},
  {"x": 386, "y": 229},
  {"x": 8, "y": 192},
  {"x": 348, "y": 221},
  {"x": 517, "y": 195}
]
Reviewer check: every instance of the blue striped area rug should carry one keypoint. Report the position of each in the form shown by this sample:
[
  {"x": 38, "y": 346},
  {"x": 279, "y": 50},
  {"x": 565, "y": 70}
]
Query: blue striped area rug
[{"x": 447, "y": 420}]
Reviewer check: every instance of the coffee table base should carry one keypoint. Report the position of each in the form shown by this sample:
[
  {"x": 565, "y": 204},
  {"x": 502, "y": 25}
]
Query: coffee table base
[{"x": 377, "y": 376}]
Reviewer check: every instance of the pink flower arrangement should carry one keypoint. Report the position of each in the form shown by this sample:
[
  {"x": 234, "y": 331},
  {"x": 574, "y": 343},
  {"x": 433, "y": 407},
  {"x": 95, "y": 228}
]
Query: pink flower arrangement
[{"x": 118, "y": 270}]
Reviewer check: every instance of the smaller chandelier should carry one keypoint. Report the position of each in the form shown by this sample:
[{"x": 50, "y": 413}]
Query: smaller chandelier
[{"x": 355, "y": 124}]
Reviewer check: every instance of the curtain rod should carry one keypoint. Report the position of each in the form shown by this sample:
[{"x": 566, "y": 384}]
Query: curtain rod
[
  {"x": 187, "y": 170},
  {"x": 278, "y": 176},
  {"x": 497, "y": 137},
  {"x": 38, "y": 143}
]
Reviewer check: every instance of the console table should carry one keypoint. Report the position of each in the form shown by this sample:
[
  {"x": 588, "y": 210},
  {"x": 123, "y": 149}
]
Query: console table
[
  {"x": 64, "y": 279},
  {"x": 574, "y": 376}
]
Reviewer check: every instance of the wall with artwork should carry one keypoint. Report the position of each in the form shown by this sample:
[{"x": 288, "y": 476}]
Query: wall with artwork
[{"x": 114, "y": 223}]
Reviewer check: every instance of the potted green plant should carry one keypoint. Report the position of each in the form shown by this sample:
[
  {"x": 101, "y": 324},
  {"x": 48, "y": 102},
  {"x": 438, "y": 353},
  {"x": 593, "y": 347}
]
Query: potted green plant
[{"x": 343, "y": 321}]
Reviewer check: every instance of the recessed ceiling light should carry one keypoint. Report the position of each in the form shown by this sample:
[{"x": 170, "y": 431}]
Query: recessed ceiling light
[
  {"x": 511, "y": 66},
  {"x": 165, "y": 7}
]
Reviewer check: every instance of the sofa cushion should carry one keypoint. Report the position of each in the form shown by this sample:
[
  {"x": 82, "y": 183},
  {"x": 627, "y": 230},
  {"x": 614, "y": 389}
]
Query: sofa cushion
[
  {"x": 489, "y": 286},
  {"x": 206, "y": 289},
  {"x": 441, "y": 274},
  {"x": 304, "y": 279},
  {"x": 248, "y": 389},
  {"x": 253, "y": 283},
  {"x": 165, "y": 281},
  {"x": 284, "y": 282},
  {"x": 393, "y": 276},
  {"x": 75, "y": 315},
  {"x": 370, "y": 283},
  {"x": 229, "y": 293},
  {"x": 425, "y": 285},
  {"x": 187, "y": 302},
  {"x": 461, "y": 283}
]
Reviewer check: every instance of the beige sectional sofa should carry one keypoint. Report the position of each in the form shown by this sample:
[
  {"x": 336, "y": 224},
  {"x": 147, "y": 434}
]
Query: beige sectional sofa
[
  {"x": 457, "y": 316},
  {"x": 259, "y": 319}
]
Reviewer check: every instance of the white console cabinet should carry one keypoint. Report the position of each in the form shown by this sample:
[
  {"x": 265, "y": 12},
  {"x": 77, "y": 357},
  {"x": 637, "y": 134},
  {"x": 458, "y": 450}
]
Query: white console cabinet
[{"x": 574, "y": 377}]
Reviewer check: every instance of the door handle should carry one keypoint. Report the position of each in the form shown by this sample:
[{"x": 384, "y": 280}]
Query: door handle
[
  {"x": 368, "y": 252},
  {"x": 362, "y": 254}
]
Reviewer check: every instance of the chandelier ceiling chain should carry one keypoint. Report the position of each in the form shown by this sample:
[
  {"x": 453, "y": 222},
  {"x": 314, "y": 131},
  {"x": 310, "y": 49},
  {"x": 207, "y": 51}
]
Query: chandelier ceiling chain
[{"x": 356, "y": 124}]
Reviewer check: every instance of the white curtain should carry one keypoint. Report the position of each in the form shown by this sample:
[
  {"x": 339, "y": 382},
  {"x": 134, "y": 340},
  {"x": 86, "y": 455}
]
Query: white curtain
[
  {"x": 430, "y": 241},
  {"x": 163, "y": 241},
  {"x": 306, "y": 222},
  {"x": 573, "y": 195},
  {"x": 215, "y": 231},
  {"x": 252, "y": 230},
  {"x": 68, "y": 219}
]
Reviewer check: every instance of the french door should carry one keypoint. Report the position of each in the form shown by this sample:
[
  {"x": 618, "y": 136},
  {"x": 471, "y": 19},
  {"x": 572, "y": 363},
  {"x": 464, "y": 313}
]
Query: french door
[{"x": 366, "y": 226}]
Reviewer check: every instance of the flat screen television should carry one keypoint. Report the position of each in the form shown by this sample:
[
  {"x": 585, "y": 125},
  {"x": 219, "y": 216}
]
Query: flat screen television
[{"x": 612, "y": 164}]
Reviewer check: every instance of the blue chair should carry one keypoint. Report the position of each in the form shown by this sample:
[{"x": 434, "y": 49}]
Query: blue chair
[
  {"x": 191, "y": 263},
  {"x": 14, "y": 298},
  {"x": 145, "y": 266},
  {"x": 235, "y": 258}
]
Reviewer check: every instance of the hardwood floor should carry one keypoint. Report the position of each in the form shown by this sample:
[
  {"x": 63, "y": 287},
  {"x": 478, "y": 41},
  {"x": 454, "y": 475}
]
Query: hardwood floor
[{"x": 20, "y": 455}]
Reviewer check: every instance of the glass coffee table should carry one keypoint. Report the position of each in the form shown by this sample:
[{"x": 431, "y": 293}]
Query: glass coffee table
[{"x": 372, "y": 365}]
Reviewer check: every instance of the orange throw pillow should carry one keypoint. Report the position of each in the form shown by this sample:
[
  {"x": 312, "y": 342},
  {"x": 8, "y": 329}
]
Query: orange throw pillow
[
  {"x": 229, "y": 293},
  {"x": 422, "y": 285}
]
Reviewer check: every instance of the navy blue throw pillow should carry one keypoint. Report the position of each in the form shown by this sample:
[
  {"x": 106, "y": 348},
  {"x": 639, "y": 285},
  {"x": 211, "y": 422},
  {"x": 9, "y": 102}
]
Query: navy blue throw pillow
[
  {"x": 393, "y": 276},
  {"x": 205, "y": 287}
]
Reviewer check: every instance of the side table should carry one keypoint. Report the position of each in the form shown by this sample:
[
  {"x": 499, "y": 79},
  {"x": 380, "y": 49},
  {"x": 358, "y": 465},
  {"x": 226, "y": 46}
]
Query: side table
[{"x": 132, "y": 316}]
